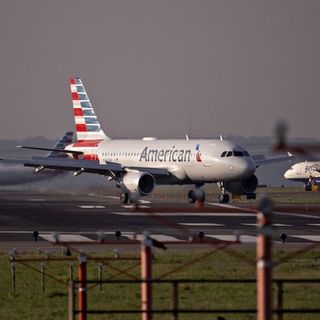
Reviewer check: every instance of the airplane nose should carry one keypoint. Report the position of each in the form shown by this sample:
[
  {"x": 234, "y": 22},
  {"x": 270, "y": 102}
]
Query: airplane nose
[
  {"x": 244, "y": 169},
  {"x": 286, "y": 174}
]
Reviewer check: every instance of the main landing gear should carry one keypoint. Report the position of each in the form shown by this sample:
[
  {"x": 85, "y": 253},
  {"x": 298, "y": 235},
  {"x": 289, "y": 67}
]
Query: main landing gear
[
  {"x": 124, "y": 198},
  {"x": 223, "y": 197},
  {"x": 197, "y": 195}
]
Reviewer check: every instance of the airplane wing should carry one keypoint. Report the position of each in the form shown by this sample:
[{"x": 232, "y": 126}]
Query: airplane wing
[
  {"x": 80, "y": 166},
  {"x": 261, "y": 160}
]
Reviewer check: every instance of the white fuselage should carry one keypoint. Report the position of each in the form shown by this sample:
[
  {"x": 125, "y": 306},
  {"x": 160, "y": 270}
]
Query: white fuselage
[
  {"x": 302, "y": 171},
  {"x": 187, "y": 161}
]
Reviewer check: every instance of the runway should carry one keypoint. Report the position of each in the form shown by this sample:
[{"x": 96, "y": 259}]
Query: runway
[{"x": 85, "y": 217}]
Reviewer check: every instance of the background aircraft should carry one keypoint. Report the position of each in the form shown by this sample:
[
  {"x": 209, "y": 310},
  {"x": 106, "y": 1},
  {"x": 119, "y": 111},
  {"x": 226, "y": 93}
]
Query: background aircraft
[
  {"x": 138, "y": 165},
  {"x": 13, "y": 174},
  {"x": 307, "y": 172}
]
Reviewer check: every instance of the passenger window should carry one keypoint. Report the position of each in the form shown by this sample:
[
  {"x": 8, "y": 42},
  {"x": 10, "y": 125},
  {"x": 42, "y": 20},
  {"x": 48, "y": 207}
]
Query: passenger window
[{"x": 223, "y": 154}]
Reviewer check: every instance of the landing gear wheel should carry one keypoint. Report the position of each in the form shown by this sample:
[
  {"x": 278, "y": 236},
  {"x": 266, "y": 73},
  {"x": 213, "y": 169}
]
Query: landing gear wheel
[
  {"x": 124, "y": 197},
  {"x": 196, "y": 195},
  {"x": 192, "y": 196},
  {"x": 224, "y": 198}
]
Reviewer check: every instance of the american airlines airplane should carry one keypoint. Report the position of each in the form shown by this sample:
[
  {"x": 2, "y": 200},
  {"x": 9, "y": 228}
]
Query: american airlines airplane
[
  {"x": 307, "y": 172},
  {"x": 13, "y": 174},
  {"x": 138, "y": 165}
]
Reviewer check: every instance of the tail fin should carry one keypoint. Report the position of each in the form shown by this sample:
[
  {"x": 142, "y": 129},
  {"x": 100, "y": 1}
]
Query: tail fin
[
  {"x": 86, "y": 121},
  {"x": 65, "y": 140}
]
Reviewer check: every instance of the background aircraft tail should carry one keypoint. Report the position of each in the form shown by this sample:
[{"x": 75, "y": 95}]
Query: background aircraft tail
[
  {"x": 65, "y": 140},
  {"x": 87, "y": 125}
]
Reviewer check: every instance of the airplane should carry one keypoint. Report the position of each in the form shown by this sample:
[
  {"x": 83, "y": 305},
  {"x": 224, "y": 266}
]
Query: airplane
[
  {"x": 15, "y": 174},
  {"x": 307, "y": 172},
  {"x": 138, "y": 165}
]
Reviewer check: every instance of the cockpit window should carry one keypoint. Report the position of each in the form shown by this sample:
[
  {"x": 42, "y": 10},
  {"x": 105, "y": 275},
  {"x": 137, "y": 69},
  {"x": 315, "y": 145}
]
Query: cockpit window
[
  {"x": 246, "y": 153},
  {"x": 229, "y": 154},
  {"x": 237, "y": 153},
  {"x": 223, "y": 154}
]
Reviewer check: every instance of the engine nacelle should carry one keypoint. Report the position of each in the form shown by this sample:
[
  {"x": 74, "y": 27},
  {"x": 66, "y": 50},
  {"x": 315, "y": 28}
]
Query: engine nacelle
[
  {"x": 243, "y": 187},
  {"x": 138, "y": 182}
]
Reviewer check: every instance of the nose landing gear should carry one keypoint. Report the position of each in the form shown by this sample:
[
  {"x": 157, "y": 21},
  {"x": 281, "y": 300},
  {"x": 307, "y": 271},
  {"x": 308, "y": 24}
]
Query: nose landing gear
[{"x": 223, "y": 197}]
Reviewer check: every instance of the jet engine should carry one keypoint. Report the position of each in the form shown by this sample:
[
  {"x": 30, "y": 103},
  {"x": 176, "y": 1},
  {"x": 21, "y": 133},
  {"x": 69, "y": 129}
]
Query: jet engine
[
  {"x": 243, "y": 187},
  {"x": 140, "y": 183}
]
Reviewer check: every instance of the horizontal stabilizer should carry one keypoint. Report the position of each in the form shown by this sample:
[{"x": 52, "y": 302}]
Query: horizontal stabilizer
[{"x": 51, "y": 149}]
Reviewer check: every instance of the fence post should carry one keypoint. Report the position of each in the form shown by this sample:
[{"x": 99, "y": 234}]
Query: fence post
[
  {"x": 71, "y": 300},
  {"x": 42, "y": 276},
  {"x": 70, "y": 271},
  {"x": 100, "y": 266},
  {"x": 82, "y": 277},
  {"x": 175, "y": 300},
  {"x": 13, "y": 276},
  {"x": 146, "y": 277},
  {"x": 279, "y": 299},
  {"x": 264, "y": 263}
]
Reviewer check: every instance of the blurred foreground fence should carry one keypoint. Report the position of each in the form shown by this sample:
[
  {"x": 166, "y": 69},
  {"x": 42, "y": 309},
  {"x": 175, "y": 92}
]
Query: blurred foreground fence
[{"x": 279, "y": 286}]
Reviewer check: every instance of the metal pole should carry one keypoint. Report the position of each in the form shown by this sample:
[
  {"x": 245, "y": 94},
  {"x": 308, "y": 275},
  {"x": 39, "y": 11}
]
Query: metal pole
[
  {"x": 71, "y": 271},
  {"x": 264, "y": 263},
  {"x": 71, "y": 300},
  {"x": 82, "y": 277},
  {"x": 279, "y": 299},
  {"x": 175, "y": 300},
  {"x": 146, "y": 277},
  {"x": 42, "y": 276},
  {"x": 100, "y": 275},
  {"x": 13, "y": 276}
]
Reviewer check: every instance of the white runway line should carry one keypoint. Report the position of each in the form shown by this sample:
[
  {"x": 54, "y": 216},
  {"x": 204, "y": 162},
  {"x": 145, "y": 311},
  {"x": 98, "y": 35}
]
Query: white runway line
[
  {"x": 313, "y": 224},
  {"x": 296, "y": 215},
  {"x": 92, "y": 207},
  {"x": 230, "y": 206},
  {"x": 102, "y": 195},
  {"x": 173, "y": 214},
  {"x": 308, "y": 237},
  {"x": 36, "y": 200},
  {"x": 64, "y": 237},
  {"x": 158, "y": 237},
  {"x": 130, "y": 206},
  {"x": 202, "y": 224},
  {"x": 243, "y": 238},
  {"x": 274, "y": 225}
]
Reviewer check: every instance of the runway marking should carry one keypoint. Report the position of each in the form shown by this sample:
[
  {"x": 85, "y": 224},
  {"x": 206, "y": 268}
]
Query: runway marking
[
  {"x": 92, "y": 207},
  {"x": 307, "y": 237},
  {"x": 102, "y": 195},
  {"x": 243, "y": 238},
  {"x": 296, "y": 215},
  {"x": 274, "y": 225},
  {"x": 202, "y": 224},
  {"x": 171, "y": 214},
  {"x": 158, "y": 237},
  {"x": 229, "y": 206},
  {"x": 130, "y": 206},
  {"x": 36, "y": 200},
  {"x": 144, "y": 201},
  {"x": 313, "y": 224},
  {"x": 64, "y": 237}
]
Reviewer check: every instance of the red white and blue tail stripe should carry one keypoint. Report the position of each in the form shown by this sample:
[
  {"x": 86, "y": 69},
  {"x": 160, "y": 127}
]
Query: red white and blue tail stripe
[{"x": 87, "y": 125}]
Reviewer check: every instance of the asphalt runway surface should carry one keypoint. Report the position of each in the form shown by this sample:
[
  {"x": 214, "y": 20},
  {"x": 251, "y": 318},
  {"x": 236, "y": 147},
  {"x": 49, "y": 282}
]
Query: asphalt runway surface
[{"x": 83, "y": 218}]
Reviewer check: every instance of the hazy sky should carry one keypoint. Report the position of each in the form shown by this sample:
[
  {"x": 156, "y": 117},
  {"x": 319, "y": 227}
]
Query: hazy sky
[{"x": 157, "y": 68}]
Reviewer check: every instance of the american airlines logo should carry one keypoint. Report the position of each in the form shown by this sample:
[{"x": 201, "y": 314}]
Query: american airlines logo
[{"x": 163, "y": 155}]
